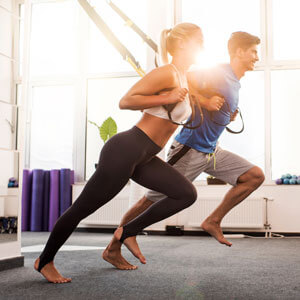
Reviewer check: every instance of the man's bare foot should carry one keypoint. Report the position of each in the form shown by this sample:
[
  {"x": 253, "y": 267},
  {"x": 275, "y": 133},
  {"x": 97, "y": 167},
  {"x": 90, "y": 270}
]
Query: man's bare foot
[
  {"x": 214, "y": 229},
  {"x": 114, "y": 257},
  {"x": 131, "y": 244},
  {"x": 50, "y": 272}
]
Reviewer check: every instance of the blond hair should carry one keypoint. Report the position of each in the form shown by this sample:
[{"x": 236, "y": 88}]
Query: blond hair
[{"x": 169, "y": 39}]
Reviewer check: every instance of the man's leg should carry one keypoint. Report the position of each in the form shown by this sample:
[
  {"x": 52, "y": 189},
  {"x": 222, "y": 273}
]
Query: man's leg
[
  {"x": 112, "y": 253},
  {"x": 246, "y": 183}
]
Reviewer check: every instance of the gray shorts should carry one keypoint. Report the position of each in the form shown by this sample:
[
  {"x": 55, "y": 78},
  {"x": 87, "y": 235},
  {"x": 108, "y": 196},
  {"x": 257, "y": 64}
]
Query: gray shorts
[{"x": 228, "y": 166}]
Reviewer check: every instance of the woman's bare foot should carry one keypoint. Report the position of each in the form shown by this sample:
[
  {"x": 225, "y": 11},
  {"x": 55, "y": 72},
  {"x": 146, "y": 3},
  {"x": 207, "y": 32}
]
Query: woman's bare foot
[
  {"x": 112, "y": 254},
  {"x": 214, "y": 229},
  {"x": 131, "y": 244},
  {"x": 50, "y": 272}
]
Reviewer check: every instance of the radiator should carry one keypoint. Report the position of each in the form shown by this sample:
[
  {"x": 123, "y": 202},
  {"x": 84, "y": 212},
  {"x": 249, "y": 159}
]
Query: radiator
[{"x": 248, "y": 214}]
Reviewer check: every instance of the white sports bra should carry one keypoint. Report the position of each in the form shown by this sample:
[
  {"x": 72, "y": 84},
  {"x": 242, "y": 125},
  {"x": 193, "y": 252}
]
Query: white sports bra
[{"x": 181, "y": 111}]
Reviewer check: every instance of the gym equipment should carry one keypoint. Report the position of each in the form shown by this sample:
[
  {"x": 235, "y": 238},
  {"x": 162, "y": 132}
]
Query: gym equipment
[
  {"x": 45, "y": 221},
  {"x": 288, "y": 179},
  {"x": 64, "y": 190},
  {"x": 37, "y": 200},
  {"x": 54, "y": 198},
  {"x": 26, "y": 199}
]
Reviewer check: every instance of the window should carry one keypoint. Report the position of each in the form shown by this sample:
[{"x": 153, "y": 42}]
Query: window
[
  {"x": 218, "y": 19},
  {"x": 51, "y": 144},
  {"x": 103, "y": 102},
  {"x": 286, "y": 24},
  {"x": 54, "y": 39},
  {"x": 285, "y": 116}
]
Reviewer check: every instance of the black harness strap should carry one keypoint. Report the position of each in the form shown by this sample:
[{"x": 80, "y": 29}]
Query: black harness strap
[
  {"x": 126, "y": 54},
  {"x": 134, "y": 27},
  {"x": 174, "y": 159},
  {"x": 210, "y": 92}
]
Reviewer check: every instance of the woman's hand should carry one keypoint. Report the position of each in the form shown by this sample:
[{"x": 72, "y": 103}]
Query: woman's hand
[{"x": 175, "y": 95}]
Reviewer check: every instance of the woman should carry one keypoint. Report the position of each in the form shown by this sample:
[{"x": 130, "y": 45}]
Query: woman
[{"x": 131, "y": 154}]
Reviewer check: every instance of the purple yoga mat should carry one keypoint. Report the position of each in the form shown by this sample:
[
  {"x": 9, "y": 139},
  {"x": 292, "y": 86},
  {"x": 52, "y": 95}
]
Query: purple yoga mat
[
  {"x": 45, "y": 222},
  {"x": 54, "y": 198},
  {"x": 64, "y": 190},
  {"x": 73, "y": 177},
  {"x": 37, "y": 200},
  {"x": 26, "y": 199}
]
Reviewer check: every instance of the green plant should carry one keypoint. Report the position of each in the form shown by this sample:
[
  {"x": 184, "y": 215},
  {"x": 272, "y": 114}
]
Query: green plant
[{"x": 107, "y": 129}]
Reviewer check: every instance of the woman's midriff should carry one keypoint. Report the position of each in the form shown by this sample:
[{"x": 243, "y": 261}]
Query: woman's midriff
[{"x": 158, "y": 130}]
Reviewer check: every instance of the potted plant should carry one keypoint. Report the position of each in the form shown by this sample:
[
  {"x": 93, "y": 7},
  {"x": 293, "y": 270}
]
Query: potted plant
[
  {"x": 213, "y": 180},
  {"x": 106, "y": 130}
]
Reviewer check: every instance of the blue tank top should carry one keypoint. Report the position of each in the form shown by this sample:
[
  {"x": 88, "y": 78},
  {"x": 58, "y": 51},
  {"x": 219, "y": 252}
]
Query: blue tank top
[{"x": 223, "y": 81}]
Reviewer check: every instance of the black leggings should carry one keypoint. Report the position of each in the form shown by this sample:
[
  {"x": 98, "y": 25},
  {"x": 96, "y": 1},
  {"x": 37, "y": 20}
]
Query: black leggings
[{"x": 130, "y": 154}]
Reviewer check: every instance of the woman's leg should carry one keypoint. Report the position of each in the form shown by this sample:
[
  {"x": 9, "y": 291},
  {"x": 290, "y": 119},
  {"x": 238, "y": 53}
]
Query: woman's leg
[
  {"x": 159, "y": 176},
  {"x": 116, "y": 165}
]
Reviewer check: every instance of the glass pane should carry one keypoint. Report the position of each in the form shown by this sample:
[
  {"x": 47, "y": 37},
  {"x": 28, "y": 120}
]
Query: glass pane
[
  {"x": 6, "y": 34},
  {"x": 250, "y": 144},
  {"x": 286, "y": 29},
  {"x": 54, "y": 38},
  {"x": 21, "y": 38},
  {"x": 285, "y": 116},
  {"x": 51, "y": 144},
  {"x": 102, "y": 55},
  {"x": 218, "y": 19},
  {"x": 103, "y": 102},
  {"x": 6, "y": 79}
]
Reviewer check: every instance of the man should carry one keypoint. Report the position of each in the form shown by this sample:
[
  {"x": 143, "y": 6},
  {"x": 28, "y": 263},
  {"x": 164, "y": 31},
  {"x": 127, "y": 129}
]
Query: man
[{"x": 192, "y": 150}]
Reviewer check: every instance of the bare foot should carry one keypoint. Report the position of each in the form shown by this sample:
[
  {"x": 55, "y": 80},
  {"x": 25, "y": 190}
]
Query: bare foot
[
  {"x": 214, "y": 229},
  {"x": 114, "y": 257},
  {"x": 50, "y": 272},
  {"x": 131, "y": 244}
]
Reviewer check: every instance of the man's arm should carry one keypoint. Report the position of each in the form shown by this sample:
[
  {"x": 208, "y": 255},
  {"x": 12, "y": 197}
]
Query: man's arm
[{"x": 213, "y": 103}]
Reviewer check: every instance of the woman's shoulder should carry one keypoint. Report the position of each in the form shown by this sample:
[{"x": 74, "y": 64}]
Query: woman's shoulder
[{"x": 165, "y": 72}]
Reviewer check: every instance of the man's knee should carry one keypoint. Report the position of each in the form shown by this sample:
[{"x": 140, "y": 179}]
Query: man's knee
[
  {"x": 258, "y": 176},
  {"x": 255, "y": 176}
]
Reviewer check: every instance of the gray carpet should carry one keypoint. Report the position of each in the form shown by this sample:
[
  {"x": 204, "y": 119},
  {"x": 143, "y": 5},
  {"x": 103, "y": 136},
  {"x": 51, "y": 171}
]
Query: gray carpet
[{"x": 177, "y": 268}]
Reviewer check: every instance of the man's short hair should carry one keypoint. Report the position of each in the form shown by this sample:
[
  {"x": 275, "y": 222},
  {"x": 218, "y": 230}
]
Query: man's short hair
[{"x": 241, "y": 39}]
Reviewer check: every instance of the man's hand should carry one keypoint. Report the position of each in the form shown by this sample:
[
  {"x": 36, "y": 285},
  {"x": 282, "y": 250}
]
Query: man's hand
[
  {"x": 215, "y": 103},
  {"x": 233, "y": 116}
]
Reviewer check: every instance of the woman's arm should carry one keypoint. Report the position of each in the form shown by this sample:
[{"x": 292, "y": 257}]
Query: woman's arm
[{"x": 145, "y": 93}]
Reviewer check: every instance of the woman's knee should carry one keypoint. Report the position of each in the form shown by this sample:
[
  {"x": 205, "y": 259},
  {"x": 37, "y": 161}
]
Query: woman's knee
[{"x": 189, "y": 194}]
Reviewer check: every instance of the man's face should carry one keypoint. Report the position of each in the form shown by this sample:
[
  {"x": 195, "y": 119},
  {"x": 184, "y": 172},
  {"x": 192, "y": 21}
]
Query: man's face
[{"x": 249, "y": 57}]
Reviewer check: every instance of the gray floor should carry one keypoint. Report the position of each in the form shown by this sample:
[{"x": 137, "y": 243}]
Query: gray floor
[{"x": 177, "y": 268}]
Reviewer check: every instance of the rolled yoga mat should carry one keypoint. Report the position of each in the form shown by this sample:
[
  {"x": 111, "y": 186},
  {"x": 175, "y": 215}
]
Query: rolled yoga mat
[
  {"x": 64, "y": 190},
  {"x": 73, "y": 177},
  {"x": 26, "y": 199},
  {"x": 54, "y": 198},
  {"x": 45, "y": 222},
  {"x": 37, "y": 200}
]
